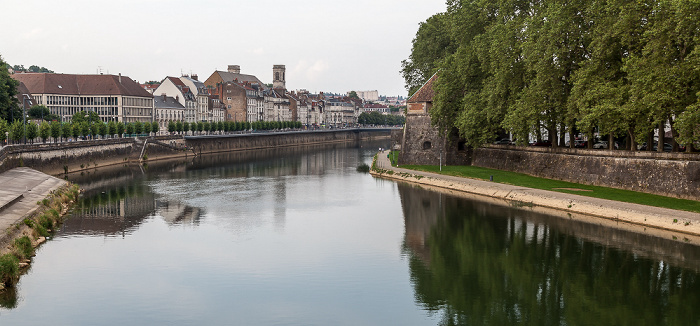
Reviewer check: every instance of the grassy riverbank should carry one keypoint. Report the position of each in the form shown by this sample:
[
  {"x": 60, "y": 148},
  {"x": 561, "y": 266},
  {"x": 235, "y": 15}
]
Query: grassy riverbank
[
  {"x": 524, "y": 180},
  {"x": 33, "y": 230}
]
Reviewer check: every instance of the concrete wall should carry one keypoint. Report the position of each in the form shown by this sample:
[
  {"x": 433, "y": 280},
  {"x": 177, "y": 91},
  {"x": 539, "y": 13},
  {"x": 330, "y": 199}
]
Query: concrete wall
[{"x": 667, "y": 174}]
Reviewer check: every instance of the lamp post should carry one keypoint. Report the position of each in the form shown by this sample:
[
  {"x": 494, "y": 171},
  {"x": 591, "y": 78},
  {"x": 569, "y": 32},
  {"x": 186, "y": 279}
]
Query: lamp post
[{"x": 24, "y": 115}]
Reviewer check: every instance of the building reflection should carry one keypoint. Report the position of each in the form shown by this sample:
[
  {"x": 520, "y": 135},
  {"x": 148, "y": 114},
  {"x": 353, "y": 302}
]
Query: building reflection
[{"x": 480, "y": 262}]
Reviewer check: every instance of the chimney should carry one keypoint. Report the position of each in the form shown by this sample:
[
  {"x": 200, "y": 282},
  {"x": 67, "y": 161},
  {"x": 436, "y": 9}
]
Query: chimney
[
  {"x": 234, "y": 69},
  {"x": 195, "y": 77},
  {"x": 163, "y": 97},
  {"x": 177, "y": 98},
  {"x": 120, "y": 77}
]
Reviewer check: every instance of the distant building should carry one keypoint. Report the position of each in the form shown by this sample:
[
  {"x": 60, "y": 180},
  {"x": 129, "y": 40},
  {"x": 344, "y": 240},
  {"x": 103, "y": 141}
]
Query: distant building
[
  {"x": 233, "y": 96},
  {"x": 370, "y": 96},
  {"x": 176, "y": 88},
  {"x": 112, "y": 97},
  {"x": 167, "y": 109}
]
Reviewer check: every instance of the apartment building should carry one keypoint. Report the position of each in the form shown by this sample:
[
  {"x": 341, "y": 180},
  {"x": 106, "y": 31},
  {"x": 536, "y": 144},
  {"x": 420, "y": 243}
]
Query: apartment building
[{"x": 112, "y": 97}]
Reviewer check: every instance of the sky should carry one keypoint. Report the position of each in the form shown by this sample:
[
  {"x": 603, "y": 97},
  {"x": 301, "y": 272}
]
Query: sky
[{"x": 330, "y": 46}]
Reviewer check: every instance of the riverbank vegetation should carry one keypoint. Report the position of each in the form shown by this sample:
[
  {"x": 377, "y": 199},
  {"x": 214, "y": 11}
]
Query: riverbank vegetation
[
  {"x": 550, "y": 69},
  {"x": 33, "y": 231},
  {"x": 524, "y": 180}
]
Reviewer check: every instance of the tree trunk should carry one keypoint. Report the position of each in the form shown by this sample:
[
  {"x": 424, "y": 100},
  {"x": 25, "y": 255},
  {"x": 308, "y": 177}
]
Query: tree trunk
[
  {"x": 660, "y": 144},
  {"x": 589, "y": 141},
  {"x": 650, "y": 141},
  {"x": 674, "y": 133},
  {"x": 631, "y": 143},
  {"x": 572, "y": 141},
  {"x": 611, "y": 142}
]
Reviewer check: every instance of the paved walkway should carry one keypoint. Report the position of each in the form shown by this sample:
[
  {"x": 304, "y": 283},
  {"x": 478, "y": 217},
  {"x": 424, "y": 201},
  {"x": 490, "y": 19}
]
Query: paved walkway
[
  {"x": 20, "y": 190},
  {"x": 663, "y": 218}
]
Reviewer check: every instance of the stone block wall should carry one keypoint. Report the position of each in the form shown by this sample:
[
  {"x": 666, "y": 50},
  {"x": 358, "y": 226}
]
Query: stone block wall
[
  {"x": 667, "y": 174},
  {"x": 422, "y": 144}
]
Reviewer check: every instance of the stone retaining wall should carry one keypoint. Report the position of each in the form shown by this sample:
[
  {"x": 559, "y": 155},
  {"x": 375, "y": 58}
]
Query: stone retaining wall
[{"x": 667, "y": 174}]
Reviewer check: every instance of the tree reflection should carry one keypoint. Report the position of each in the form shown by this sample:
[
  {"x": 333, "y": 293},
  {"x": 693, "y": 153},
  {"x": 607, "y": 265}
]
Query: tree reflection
[{"x": 486, "y": 264}]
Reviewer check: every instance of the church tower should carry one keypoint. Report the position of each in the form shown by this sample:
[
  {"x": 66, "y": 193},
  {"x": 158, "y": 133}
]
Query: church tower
[{"x": 278, "y": 78}]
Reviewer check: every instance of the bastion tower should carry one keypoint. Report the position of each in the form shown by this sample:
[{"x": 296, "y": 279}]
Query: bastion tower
[{"x": 278, "y": 78}]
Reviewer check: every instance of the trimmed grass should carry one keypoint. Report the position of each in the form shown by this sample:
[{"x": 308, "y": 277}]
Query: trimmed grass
[{"x": 524, "y": 180}]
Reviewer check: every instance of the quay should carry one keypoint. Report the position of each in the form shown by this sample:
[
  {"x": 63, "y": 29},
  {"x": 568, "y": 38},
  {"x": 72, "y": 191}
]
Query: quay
[
  {"x": 20, "y": 190},
  {"x": 681, "y": 225}
]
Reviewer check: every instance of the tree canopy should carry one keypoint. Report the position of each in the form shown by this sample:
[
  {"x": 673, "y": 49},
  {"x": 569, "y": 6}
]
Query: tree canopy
[
  {"x": 623, "y": 68},
  {"x": 9, "y": 105}
]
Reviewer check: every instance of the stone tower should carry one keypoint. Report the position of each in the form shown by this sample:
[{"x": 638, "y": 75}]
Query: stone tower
[{"x": 278, "y": 78}]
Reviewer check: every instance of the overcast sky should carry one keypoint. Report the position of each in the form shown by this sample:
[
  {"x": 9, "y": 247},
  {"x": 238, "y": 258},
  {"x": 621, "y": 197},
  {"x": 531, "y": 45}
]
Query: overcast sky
[{"x": 331, "y": 46}]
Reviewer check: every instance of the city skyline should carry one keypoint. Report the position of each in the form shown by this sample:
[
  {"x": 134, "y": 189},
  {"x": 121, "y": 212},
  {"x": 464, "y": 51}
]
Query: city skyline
[{"x": 325, "y": 46}]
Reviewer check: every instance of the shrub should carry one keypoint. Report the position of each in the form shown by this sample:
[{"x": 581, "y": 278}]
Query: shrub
[
  {"x": 23, "y": 247},
  {"x": 9, "y": 268},
  {"x": 45, "y": 222}
]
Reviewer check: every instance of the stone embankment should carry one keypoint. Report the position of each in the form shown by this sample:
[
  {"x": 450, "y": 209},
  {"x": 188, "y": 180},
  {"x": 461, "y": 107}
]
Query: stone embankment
[
  {"x": 31, "y": 205},
  {"x": 679, "y": 224}
]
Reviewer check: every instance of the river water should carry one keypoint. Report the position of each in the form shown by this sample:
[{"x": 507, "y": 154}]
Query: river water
[{"x": 298, "y": 237}]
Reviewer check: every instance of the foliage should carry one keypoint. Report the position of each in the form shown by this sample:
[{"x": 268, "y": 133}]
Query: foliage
[
  {"x": 541, "y": 69},
  {"x": 23, "y": 247},
  {"x": 39, "y": 111},
  {"x": 4, "y": 127},
  {"x": 44, "y": 131},
  {"x": 32, "y": 131},
  {"x": 155, "y": 127},
  {"x": 376, "y": 118},
  {"x": 55, "y": 130},
  {"x": 130, "y": 128},
  {"x": 9, "y": 104},
  {"x": 120, "y": 128}
]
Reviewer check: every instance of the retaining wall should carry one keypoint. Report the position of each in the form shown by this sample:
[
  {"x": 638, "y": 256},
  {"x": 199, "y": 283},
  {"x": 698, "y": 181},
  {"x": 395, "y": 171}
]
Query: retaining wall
[{"x": 667, "y": 174}]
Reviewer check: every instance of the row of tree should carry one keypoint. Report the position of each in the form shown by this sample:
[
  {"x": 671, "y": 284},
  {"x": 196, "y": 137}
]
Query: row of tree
[
  {"x": 376, "y": 118},
  {"x": 228, "y": 126},
  {"x": 58, "y": 131},
  {"x": 623, "y": 68}
]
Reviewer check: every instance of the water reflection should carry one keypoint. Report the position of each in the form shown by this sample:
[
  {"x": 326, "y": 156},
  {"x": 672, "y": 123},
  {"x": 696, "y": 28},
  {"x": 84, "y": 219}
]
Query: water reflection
[{"x": 479, "y": 263}]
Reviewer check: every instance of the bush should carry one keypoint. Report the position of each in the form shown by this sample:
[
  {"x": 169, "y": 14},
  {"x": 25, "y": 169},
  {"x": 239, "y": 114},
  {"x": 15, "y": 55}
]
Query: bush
[
  {"x": 45, "y": 222},
  {"x": 9, "y": 268},
  {"x": 23, "y": 247}
]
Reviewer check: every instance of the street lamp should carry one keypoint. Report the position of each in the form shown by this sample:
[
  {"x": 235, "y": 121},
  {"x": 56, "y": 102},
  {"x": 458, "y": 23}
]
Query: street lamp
[{"x": 24, "y": 114}]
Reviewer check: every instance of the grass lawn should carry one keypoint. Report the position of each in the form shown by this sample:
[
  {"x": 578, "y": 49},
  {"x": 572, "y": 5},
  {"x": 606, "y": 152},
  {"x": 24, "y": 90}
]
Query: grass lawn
[{"x": 523, "y": 180}]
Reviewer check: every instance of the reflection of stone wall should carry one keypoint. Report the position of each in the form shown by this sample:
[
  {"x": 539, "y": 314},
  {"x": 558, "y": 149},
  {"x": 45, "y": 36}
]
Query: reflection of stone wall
[
  {"x": 178, "y": 213},
  {"x": 671, "y": 174},
  {"x": 426, "y": 208}
]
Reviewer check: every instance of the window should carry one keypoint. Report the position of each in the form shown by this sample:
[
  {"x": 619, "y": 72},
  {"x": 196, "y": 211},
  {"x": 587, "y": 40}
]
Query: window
[{"x": 427, "y": 145}]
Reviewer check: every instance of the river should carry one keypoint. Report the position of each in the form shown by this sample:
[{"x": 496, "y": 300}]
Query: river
[{"x": 297, "y": 236}]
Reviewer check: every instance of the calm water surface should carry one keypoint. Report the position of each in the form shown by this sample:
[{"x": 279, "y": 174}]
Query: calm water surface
[{"x": 298, "y": 237}]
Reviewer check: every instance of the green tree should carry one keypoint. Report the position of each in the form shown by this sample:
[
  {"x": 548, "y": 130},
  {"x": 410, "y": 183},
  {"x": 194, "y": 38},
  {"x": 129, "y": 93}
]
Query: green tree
[
  {"x": 84, "y": 129},
  {"x": 39, "y": 111},
  {"x": 138, "y": 127},
  {"x": 130, "y": 128},
  {"x": 146, "y": 128},
  {"x": 16, "y": 130},
  {"x": 95, "y": 129},
  {"x": 171, "y": 126},
  {"x": 76, "y": 129},
  {"x": 66, "y": 129},
  {"x": 103, "y": 129},
  {"x": 353, "y": 94},
  {"x": 178, "y": 126},
  {"x": 44, "y": 131},
  {"x": 120, "y": 128},
  {"x": 32, "y": 131},
  {"x": 155, "y": 127},
  {"x": 186, "y": 127},
  {"x": 432, "y": 44},
  {"x": 9, "y": 105},
  {"x": 55, "y": 130},
  {"x": 112, "y": 128},
  {"x": 200, "y": 126},
  {"x": 4, "y": 128}
]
